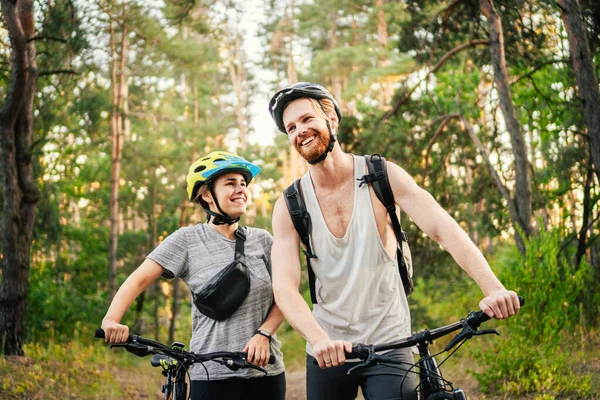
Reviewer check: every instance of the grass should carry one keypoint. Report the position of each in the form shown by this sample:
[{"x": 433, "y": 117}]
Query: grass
[{"x": 75, "y": 371}]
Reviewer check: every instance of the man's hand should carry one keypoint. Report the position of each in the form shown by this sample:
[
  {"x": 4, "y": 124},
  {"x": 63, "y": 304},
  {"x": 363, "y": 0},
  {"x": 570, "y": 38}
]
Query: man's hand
[
  {"x": 500, "y": 304},
  {"x": 330, "y": 353}
]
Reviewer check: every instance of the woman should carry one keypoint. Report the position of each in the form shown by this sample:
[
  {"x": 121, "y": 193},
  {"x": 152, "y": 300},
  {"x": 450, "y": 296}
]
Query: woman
[{"x": 199, "y": 254}]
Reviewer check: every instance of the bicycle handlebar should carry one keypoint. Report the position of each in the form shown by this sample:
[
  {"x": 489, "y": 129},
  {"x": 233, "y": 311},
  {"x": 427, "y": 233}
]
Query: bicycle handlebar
[
  {"x": 151, "y": 345},
  {"x": 473, "y": 319}
]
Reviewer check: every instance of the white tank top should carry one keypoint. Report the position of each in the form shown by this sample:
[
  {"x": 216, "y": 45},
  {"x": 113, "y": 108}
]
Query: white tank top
[{"x": 358, "y": 286}]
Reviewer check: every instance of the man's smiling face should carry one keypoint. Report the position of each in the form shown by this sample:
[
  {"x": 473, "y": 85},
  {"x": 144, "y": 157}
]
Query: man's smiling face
[{"x": 306, "y": 128}]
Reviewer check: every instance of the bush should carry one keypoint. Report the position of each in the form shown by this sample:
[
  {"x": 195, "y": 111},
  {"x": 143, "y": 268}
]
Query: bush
[{"x": 532, "y": 357}]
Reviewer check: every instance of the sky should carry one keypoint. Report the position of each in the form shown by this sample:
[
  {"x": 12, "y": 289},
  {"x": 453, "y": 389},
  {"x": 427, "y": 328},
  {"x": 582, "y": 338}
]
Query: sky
[{"x": 264, "y": 130}]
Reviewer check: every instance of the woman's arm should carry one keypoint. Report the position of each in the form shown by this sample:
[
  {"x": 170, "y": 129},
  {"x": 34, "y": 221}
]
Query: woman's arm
[
  {"x": 258, "y": 347},
  {"x": 273, "y": 321},
  {"x": 135, "y": 284}
]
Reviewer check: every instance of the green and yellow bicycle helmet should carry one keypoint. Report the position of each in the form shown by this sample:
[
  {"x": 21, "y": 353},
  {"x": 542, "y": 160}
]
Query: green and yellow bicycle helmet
[{"x": 207, "y": 168}]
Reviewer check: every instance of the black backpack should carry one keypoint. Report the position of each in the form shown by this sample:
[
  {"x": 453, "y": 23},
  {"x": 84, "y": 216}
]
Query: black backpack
[{"x": 377, "y": 177}]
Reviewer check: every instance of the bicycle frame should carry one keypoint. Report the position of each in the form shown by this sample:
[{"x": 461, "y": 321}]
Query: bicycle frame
[
  {"x": 175, "y": 386},
  {"x": 430, "y": 377}
]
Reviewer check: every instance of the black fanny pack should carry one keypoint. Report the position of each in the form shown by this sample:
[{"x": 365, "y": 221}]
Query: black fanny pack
[{"x": 227, "y": 290}]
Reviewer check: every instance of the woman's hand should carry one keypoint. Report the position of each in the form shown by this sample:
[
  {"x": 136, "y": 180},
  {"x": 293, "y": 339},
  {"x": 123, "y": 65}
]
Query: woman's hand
[
  {"x": 258, "y": 350},
  {"x": 114, "y": 332}
]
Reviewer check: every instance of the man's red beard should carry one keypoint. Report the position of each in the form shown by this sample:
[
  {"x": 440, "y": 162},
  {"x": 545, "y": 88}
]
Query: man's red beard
[{"x": 315, "y": 148}]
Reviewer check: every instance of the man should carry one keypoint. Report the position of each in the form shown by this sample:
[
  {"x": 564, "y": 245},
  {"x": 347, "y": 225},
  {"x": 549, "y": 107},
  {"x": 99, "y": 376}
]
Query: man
[{"x": 358, "y": 288}]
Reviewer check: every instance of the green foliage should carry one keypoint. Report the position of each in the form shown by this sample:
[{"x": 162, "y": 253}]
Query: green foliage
[
  {"x": 533, "y": 354},
  {"x": 70, "y": 289},
  {"x": 59, "y": 371},
  {"x": 293, "y": 347}
]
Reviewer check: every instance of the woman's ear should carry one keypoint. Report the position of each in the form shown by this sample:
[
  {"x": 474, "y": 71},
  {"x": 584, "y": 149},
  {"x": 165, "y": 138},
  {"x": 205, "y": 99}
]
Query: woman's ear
[{"x": 207, "y": 197}]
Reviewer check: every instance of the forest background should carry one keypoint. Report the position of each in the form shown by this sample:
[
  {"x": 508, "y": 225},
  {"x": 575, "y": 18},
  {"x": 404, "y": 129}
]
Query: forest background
[{"x": 493, "y": 107}]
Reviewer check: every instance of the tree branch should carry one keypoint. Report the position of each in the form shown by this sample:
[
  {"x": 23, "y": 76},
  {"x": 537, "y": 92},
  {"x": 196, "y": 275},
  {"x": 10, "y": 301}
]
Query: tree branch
[
  {"x": 484, "y": 154},
  {"x": 59, "y": 71},
  {"x": 447, "y": 12},
  {"x": 539, "y": 67},
  {"x": 179, "y": 17},
  {"x": 445, "y": 121},
  {"x": 437, "y": 66},
  {"x": 46, "y": 37}
]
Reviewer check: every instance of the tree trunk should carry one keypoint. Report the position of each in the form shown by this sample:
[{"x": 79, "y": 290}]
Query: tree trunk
[
  {"x": 582, "y": 243},
  {"x": 237, "y": 73},
  {"x": 139, "y": 324},
  {"x": 386, "y": 92},
  {"x": 291, "y": 69},
  {"x": 175, "y": 294},
  {"x": 585, "y": 74},
  {"x": 501, "y": 79},
  {"x": 118, "y": 122},
  {"x": 20, "y": 194},
  {"x": 336, "y": 79},
  {"x": 155, "y": 287}
]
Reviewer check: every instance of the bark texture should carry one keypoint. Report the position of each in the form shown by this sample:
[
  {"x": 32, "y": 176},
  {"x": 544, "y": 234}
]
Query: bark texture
[{"x": 20, "y": 194}]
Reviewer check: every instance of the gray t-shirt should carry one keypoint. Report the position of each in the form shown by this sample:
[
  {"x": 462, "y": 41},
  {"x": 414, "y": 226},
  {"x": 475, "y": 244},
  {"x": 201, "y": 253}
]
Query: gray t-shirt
[{"x": 196, "y": 254}]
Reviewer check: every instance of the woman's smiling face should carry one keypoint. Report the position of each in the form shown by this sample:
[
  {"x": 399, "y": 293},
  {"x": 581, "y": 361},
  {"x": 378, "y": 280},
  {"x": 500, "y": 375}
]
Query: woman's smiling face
[{"x": 231, "y": 193}]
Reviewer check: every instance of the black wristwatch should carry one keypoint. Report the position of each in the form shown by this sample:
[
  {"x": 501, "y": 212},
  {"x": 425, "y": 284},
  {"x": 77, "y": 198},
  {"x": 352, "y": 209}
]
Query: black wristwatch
[{"x": 263, "y": 333}]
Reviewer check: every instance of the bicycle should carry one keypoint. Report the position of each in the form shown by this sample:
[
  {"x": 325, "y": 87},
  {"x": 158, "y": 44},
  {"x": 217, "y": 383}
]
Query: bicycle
[
  {"x": 175, "y": 361},
  {"x": 432, "y": 385}
]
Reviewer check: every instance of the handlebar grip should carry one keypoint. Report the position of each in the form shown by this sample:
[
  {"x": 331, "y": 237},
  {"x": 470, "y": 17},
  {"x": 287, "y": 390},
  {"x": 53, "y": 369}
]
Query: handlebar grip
[
  {"x": 157, "y": 360},
  {"x": 355, "y": 353},
  {"x": 272, "y": 360},
  {"x": 100, "y": 334}
]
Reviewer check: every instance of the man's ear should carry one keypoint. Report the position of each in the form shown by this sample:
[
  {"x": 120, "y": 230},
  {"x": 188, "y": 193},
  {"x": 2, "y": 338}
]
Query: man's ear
[{"x": 333, "y": 120}]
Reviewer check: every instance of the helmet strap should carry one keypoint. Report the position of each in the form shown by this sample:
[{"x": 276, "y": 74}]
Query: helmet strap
[
  {"x": 329, "y": 148},
  {"x": 218, "y": 219}
]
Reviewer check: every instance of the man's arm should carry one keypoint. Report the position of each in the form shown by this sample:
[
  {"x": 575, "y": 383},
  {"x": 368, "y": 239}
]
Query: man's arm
[
  {"x": 285, "y": 259},
  {"x": 432, "y": 219}
]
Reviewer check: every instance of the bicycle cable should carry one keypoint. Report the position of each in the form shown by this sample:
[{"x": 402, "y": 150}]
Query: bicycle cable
[{"x": 453, "y": 351}]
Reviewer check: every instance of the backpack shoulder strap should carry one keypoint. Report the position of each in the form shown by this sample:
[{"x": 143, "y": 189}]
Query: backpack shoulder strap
[
  {"x": 378, "y": 179},
  {"x": 303, "y": 225}
]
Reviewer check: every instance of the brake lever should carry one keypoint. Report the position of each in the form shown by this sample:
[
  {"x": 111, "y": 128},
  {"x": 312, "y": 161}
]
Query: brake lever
[
  {"x": 370, "y": 351},
  {"x": 249, "y": 365},
  {"x": 139, "y": 350},
  {"x": 359, "y": 365},
  {"x": 468, "y": 332},
  {"x": 234, "y": 365},
  {"x": 486, "y": 332}
]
